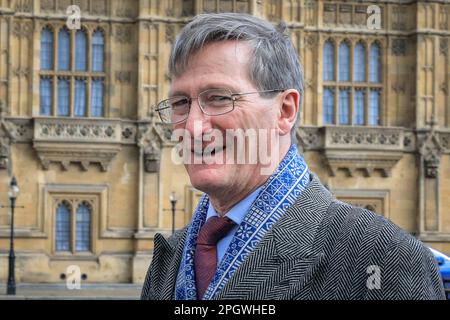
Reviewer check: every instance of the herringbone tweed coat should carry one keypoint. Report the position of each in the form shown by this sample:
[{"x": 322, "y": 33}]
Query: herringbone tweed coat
[{"x": 320, "y": 248}]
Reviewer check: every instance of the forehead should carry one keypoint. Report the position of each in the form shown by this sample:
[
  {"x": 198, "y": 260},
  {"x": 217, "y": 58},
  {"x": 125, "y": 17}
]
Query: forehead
[{"x": 218, "y": 64}]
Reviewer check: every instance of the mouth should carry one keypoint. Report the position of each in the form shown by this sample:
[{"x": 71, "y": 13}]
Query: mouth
[{"x": 208, "y": 151}]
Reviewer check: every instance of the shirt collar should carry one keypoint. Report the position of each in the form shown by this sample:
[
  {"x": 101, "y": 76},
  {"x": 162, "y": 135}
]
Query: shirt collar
[{"x": 239, "y": 210}]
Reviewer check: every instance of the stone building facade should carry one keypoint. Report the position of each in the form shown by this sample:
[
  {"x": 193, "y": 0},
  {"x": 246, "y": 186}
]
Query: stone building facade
[{"x": 78, "y": 131}]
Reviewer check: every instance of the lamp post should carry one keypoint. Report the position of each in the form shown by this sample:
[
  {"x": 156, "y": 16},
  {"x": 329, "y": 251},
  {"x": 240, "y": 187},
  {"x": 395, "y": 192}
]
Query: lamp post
[
  {"x": 12, "y": 194},
  {"x": 173, "y": 202}
]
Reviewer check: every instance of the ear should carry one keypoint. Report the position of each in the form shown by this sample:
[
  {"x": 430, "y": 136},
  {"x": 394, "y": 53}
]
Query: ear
[{"x": 289, "y": 107}]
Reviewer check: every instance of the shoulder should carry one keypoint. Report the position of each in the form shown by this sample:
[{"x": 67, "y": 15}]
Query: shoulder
[
  {"x": 363, "y": 228},
  {"x": 361, "y": 241}
]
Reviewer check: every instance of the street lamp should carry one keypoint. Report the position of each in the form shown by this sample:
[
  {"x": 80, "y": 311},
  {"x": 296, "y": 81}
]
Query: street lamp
[
  {"x": 12, "y": 194},
  {"x": 173, "y": 202}
]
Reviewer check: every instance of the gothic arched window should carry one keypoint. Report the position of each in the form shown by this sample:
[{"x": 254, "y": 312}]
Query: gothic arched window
[
  {"x": 344, "y": 61},
  {"x": 352, "y": 82},
  {"x": 328, "y": 106},
  {"x": 63, "y": 97},
  {"x": 46, "y": 49},
  {"x": 328, "y": 61},
  {"x": 80, "y": 50},
  {"x": 344, "y": 106},
  {"x": 64, "y": 50},
  {"x": 72, "y": 84},
  {"x": 359, "y": 63},
  {"x": 98, "y": 51},
  {"x": 80, "y": 97},
  {"x": 374, "y": 63},
  {"x": 83, "y": 228},
  {"x": 358, "y": 107},
  {"x": 62, "y": 231},
  {"x": 374, "y": 108}
]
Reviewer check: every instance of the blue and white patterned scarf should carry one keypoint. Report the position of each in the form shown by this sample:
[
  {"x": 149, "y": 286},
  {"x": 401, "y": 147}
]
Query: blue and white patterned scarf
[{"x": 278, "y": 193}]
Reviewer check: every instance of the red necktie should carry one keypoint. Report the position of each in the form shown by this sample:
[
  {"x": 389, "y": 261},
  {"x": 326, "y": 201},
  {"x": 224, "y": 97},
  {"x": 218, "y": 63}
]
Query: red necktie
[{"x": 205, "y": 262}]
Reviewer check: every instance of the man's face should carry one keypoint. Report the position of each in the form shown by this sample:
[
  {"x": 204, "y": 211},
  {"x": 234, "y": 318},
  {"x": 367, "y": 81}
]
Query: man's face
[{"x": 223, "y": 65}]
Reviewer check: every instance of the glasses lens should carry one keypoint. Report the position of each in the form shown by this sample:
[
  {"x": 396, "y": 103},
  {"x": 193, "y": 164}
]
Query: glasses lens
[
  {"x": 216, "y": 101},
  {"x": 174, "y": 110}
]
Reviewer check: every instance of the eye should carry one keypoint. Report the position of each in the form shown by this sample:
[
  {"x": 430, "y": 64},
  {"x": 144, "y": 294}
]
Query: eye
[
  {"x": 219, "y": 98},
  {"x": 179, "y": 102}
]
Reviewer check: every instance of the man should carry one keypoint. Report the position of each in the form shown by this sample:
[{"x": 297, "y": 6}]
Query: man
[{"x": 253, "y": 235}]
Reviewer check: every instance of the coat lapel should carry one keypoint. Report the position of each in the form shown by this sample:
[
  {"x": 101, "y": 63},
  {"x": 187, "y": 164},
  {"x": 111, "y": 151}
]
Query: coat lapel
[
  {"x": 170, "y": 255},
  {"x": 288, "y": 256}
]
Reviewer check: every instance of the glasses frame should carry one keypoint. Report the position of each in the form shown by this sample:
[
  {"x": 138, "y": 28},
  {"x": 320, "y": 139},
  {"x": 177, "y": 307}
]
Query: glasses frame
[{"x": 233, "y": 96}]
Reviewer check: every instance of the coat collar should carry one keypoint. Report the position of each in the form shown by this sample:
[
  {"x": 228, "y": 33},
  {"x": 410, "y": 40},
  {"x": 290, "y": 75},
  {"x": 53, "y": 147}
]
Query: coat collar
[
  {"x": 290, "y": 245},
  {"x": 290, "y": 242}
]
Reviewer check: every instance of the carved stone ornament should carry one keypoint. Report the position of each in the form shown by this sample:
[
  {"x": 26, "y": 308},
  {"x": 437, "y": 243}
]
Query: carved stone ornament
[
  {"x": 399, "y": 47},
  {"x": 150, "y": 139},
  {"x": 363, "y": 149},
  {"x": 431, "y": 150},
  {"x": 79, "y": 141},
  {"x": 6, "y": 138}
]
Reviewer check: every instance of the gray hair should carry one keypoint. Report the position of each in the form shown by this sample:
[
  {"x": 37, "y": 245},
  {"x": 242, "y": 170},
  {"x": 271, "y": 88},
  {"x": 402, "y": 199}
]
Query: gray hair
[{"x": 274, "y": 64}]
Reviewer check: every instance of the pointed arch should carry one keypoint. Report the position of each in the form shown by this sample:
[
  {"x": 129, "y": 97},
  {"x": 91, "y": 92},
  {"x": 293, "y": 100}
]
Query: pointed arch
[
  {"x": 328, "y": 60},
  {"x": 375, "y": 62},
  {"x": 47, "y": 44},
  {"x": 62, "y": 227},
  {"x": 359, "y": 62},
  {"x": 98, "y": 50},
  {"x": 81, "y": 45},
  {"x": 83, "y": 227},
  {"x": 344, "y": 61},
  {"x": 64, "y": 49}
]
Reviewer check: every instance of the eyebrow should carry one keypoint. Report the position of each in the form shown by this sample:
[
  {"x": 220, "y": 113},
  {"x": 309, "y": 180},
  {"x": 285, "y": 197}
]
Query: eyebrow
[{"x": 207, "y": 87}]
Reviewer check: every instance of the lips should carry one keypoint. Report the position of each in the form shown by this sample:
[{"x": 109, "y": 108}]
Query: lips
[{"x": 209, "y": 149}]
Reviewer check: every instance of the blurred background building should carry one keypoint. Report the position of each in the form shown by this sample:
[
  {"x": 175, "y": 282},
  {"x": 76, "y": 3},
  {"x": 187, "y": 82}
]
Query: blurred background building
[{"x": 93, "y": 164}]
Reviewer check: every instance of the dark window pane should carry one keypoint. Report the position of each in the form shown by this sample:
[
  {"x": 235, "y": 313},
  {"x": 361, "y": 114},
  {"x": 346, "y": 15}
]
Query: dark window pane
[
  {"x": 344, "y": 62},
  {"x": 63, "y": 97},
  {"x": 374, "y": 108},
  {"x": 328, "y": 106},
  {"x": 98, "y": 48},
  {"x": 344, "y": 106},
  {"x": 46, "y": 49},
  {"x": 358, "y": 105},
  {"x": 64, "y": 50},
  {"x": 80, "y": 51},
  {"x": 45, "y": 96},
  {"x": 328, "y": 61},
  {"x": 374, "y": 65},
  {"x": 80, "y": 98},
  {"x": 83, "y": 233},
  {"x": 62, "y": 228},
  {"x": 97, "y": 98},
  {"x": 359, "y": 65}
]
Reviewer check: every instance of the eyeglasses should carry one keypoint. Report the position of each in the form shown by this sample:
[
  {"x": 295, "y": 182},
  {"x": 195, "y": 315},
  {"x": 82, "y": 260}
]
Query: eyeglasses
[{"x": 212, "y": 102}]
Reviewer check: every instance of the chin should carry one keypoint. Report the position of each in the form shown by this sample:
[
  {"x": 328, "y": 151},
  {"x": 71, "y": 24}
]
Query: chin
[{"x": 207, "y": 178}]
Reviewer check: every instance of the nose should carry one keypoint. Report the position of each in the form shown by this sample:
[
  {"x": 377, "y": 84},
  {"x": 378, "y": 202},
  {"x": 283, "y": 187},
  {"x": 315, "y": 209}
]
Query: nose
[{"x": 197, "y": 122}]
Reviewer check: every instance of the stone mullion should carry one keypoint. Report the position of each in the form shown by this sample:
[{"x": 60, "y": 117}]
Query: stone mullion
[
  {"x": 33, "y": 59},
  {"x": 435, "y": 77},
  {"x": 54, "y": 76},
  {"x": 107, "y": 65},
  {"x": 366, "y": 78},
  {"x": 318, "y": 98},
  {"x": 336, "y": 79},
  {"x": 366, "y": 106},
  {"x": 384, "y": 96},
  {"x": 73, "y": 233},
  {"x": 71, "y": 77},
  {"x": 447, "y": 84},
  {"x": 351, "y": 44},
  {"x": 253, "y": 7},
  {"x": 88, "y": 80}
]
